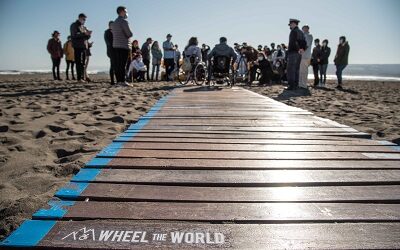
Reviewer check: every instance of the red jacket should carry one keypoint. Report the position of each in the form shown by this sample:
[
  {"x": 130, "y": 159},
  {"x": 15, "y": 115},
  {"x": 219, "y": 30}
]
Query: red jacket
[{"x": 54, "y": 47}]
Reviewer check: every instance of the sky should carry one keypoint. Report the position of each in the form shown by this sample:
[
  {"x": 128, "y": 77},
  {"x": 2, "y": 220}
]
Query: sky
[{"x": 371, "y": 26}]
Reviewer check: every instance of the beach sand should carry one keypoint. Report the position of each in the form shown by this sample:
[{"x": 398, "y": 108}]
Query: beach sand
[
  {"x": 48, "y": 130},
  {"x": 369, "y": 106}
]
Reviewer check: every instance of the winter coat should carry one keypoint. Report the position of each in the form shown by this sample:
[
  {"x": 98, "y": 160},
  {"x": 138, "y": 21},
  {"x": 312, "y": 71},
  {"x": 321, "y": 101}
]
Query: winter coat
[{"x": 54, "y": 48}]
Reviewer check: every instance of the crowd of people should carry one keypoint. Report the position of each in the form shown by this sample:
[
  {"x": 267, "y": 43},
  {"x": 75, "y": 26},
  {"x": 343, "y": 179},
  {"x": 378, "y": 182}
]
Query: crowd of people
[{"x": 131, "y": 62}]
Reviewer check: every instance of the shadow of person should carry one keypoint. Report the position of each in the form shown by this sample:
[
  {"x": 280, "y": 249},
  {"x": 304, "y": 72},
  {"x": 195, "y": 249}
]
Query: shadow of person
[
  {"x": 203, "y": 88},
  {"x": 288, "y": 94},
  {"x": 350, "y": 91}
]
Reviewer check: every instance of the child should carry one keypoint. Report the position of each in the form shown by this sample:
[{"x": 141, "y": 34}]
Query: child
[{"x": 137, "y": 68}]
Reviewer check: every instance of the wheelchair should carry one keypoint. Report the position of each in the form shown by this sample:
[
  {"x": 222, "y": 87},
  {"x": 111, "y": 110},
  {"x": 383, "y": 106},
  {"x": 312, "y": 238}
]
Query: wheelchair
[
  {"x": 221, "y": 71},
  {"x": 197, "y": 73}
]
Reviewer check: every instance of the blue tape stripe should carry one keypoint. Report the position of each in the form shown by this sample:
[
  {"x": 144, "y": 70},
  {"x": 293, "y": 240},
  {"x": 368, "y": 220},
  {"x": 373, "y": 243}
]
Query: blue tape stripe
[
  {"x": 98, "y": 162},
  {"x": 29, "y": 234},
  {"x": 72, "y": 190},
  {"x": 86, "y": 175},
  {"x": 56, "y": 211}
]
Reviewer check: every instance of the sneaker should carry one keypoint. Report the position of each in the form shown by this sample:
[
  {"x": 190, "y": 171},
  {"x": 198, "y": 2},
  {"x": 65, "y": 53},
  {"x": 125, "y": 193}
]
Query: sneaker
[{"x": 339, "y": 87}]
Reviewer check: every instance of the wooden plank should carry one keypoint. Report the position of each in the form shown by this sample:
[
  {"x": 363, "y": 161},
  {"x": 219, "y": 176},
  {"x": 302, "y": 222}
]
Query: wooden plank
[
  {"x": 128, "y": 192},
  {"x": 298, "y": 129},
  {"x": 241, "y": 178},
  {"x": 233, "y": 236},
  {"x": 240, "y": 155},
  {"x": 335, "y": 141},
  {"x": 254, "y": 148},
  {"x": 213, "y": 164},
  {"x": 232, "y": 212},
  {"x": 237, "y": 135}
]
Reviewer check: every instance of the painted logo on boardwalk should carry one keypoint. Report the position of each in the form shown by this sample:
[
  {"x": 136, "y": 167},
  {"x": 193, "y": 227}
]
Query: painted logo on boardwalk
[{"x": 146, "y": 237}]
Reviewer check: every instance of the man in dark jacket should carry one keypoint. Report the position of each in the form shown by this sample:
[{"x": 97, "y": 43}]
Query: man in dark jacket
[
  {"x": 295, "y": 49},
  {"x": 341, "y": 59},
  {"x": 323, "y": 66},
  {"x": 80, "y": 36},
  {"x": 146, "y": 55},
  {"x": 108, "y": 38},
  {"x": 315, "y": 61},
  {"x": 221, "y": 49},
  {"x": 121, "y": 44},
  {"x": 205, "y": 49}
]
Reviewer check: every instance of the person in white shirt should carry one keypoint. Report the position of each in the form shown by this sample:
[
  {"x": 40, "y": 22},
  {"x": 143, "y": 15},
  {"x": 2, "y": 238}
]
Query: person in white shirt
[{"x": 137, "y": 68}]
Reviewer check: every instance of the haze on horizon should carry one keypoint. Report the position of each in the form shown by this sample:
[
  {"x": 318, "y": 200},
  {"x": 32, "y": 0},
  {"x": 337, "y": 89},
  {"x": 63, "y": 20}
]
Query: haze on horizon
[{"x": 369, "y": 25}]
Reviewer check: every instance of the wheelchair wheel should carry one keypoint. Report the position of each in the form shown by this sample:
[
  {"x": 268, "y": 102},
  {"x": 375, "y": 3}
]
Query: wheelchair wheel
[{"x": 200, "y": 74}]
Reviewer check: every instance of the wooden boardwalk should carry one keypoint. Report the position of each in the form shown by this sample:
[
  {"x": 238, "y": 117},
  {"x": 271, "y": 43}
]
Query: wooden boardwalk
[{"x": 227, "y": 168}]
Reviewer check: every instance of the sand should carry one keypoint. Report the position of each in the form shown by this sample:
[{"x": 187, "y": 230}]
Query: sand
[
  {"x": 370, "y": 107},
  {"x": 48, "y": 129}
]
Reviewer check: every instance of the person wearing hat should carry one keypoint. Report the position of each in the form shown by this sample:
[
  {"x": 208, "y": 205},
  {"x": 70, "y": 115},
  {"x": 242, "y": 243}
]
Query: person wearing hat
[
  {"x": 295, "y": 49},
  {"x": 305, "y": 58},
  {"x": 169, "y": 56},
  {"x": 55, "y": 50},
  {"x": 80, "y": 36},
  {"x": 69, "y": 57},
  {"x": 146, "y": 48},
  {"x": 108, "y": 38},
  {"x": 121, "y": 45}
]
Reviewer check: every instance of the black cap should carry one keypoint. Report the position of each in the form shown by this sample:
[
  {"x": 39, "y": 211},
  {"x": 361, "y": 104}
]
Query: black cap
[
  {"x": 293, "y": 20},
  {"x": 55, "y": 32},
  {"x": 82, "y": 15},
  {"x": 169, "y": 35}
]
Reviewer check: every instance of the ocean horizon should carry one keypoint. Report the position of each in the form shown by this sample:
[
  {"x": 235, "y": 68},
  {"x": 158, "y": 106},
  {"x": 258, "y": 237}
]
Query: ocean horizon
[{"x": 367, "y": 72}]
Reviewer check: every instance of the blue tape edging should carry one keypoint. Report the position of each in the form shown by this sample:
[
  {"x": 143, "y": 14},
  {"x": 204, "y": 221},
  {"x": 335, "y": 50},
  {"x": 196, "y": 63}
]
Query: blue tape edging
[
  {"x": 86, "y": 175},
  {"x": 29, "y": 234},
  {"x": 56, "y": 211},
  {"x": 72, "y": 190}
]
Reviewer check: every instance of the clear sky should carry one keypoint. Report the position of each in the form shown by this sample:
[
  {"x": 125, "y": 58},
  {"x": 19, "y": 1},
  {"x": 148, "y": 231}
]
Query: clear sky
[{"x": 371, "y": 26}]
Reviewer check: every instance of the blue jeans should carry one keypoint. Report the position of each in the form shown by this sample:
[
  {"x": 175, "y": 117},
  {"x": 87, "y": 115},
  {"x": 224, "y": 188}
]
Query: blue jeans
[
  {"x": 156, "y": 70},
  {"x": 322, "y": 72},
  {"x": 339, "y": 71},
  {"x": 293, "y": 67}
]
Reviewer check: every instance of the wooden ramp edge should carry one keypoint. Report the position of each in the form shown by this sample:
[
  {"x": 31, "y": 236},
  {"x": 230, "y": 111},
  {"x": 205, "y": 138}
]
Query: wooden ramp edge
[{"x": 226, "y": 168}]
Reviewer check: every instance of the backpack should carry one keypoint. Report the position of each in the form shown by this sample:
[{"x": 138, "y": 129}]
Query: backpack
[{"x": 301, "y": 40}]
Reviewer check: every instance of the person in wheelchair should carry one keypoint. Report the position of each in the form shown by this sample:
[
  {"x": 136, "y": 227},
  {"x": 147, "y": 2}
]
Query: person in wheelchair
[
  {"x": 192, "y": 54},
  {"x": 220, "y": 60}
]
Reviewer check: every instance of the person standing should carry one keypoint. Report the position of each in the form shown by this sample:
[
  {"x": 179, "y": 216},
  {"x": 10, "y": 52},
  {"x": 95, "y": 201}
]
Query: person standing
[
  {"x": 69, "y": 57},
  {"x": 156, "y": 59},
  {"x": 146, "y": 56},
  {"x": 88, "y": 55},
  {"x": 341, "y": 59},
  {"x": 108, "y": 38},
  {"x": 273, "y": 48},
  {"x": 205, "y": 49},
  {"x": 80, "y": 36},
  {"x": 169, "y": 56},
  {"x": 296, "y": 47},
  {"x": 177, "y": 58},
  {"x": 305, "y": 58},
  {"x": 121, "y": 45},
  {"x": 315, "y": 61},
  {"x": 325, "y": 53},
  {"x": 55, "y": 50}
]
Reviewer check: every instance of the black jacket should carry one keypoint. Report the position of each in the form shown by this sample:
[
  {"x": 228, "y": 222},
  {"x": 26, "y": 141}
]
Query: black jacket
[
  {"x": 108, "y": 38},
  {"x": 296, "y": 40},
  {"x": 325, "y": 53},
  {"x": 316, "y": 55},
  {"x": 145, "y": 51},
  {"x": 78, "y": 36}
]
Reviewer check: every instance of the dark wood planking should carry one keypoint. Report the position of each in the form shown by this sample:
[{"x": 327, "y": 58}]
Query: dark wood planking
[
  {"x": 238, "y": 212},
  {"x": 245, "y": 177},
  {"x": 129, "y": 192},
  {"x": 209, "y": 164},
  {"x": 236, "y": 236},
  {"x": 256, "y": 148},
  {"x": 240, "y": 155},
  {"x": 336, "y": 142}
]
